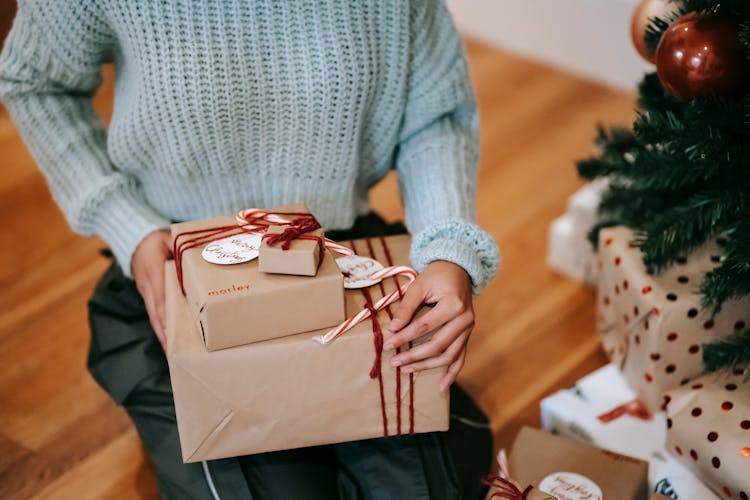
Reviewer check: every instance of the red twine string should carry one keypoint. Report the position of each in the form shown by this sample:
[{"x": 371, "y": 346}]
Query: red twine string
[
  {"x": 376, "y": 370},
  {"x": 377, "y": 339},
  {"x": 506, "y": 489},
  {"x": 389, "y": 260},
  {"x": 202, "y": 237},
  {"x": 297, "y": 230},
  {"x": 634, "y": 408},
  {"x": 390, "y": 316},
  {"x": 197, "y": 237}
]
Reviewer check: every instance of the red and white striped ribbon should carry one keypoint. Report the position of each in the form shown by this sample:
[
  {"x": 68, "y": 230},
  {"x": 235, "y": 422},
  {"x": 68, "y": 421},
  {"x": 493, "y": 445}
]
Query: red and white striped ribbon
[
  {"x": 403, "y": 271},
  {"x": 244, "y": 216},
  {"x": 339, "y": 249}
]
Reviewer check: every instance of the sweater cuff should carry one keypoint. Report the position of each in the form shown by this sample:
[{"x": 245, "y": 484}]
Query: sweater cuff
[
  {"x": 122, "y": 220},
  {"x": 461, "y": 242}
]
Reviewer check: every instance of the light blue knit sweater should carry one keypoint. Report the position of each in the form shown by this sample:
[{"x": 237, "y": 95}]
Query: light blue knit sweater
[{"x": 226, "y": 104}]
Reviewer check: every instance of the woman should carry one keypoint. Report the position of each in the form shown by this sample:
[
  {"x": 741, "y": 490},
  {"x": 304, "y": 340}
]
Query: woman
[{"x": 222, "y": 105}]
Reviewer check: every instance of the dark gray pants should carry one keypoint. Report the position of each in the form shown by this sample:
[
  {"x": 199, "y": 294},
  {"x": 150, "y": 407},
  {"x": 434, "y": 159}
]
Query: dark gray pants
[{"x": 127, "y": 361}]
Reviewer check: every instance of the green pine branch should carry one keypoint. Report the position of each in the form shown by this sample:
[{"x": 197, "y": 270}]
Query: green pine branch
[
  {"x": 681, "y": 229},
  {"x": 734, "y": 351},
  {"x": 731, "y": 280}
]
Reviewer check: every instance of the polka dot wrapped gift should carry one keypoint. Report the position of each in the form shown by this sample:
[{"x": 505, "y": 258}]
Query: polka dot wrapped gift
[
  {"x": 708, "y": 424},
  {"x": 653, "y": 327}
]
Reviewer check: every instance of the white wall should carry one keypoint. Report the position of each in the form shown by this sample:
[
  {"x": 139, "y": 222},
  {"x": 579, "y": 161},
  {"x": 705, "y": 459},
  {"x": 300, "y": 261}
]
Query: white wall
[{"x": 587, "y": 37}]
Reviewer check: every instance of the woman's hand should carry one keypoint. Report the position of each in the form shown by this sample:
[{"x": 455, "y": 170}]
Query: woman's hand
[
  {"x": 147, "y": 266},
  {"x": 447, "y": 286}
]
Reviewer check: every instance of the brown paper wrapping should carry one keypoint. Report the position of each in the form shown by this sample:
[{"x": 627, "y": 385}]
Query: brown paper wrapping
[
  {"x": 237, "y": 304},
  {"x": 293, "y": 392},
  {"x": 653, "y": 327},
  {"x": 709, "y": 430},
  {"x": 536, "y": 454},
  {"x": 301, "y": 258}
]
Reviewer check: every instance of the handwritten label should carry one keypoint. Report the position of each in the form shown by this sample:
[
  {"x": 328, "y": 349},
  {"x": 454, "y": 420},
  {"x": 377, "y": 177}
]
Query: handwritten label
[
  {"x": 570, "y": 486},
  {"x": 233, "y": 250},
  {"x": 357, "y": 271}
]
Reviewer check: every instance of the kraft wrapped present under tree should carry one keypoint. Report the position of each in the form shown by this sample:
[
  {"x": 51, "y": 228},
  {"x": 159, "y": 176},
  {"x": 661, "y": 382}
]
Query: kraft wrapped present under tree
[
  {"x": 233, "y": 302},
  {"x": 557, "y": 465},
  {"x": 293, "y": 392},
  {"x": 709, "y": 430},
  {"x": 653, "y": 327}
]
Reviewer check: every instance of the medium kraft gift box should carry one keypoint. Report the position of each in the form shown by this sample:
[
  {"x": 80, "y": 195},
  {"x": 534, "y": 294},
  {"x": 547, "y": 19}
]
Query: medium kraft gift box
[
  {"x": 653, "y": 327},
  {"x": 301, "y": 257},
  {"x": 708, "y": 429},
  {"x": 293, "y": 392},
  {"x": 238, "y": 304},
  {"x": 546, "y": 461}
]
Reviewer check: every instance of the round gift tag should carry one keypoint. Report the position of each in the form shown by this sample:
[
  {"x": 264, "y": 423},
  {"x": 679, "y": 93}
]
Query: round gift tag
[
  {"x": 233, "y": 249},
  {"x": 570, "y": 486},
  {"x": 357, "y": 271}
]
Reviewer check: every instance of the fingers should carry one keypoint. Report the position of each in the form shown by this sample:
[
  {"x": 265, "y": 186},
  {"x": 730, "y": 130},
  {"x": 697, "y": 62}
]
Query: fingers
[
  {"x": 441, "y": 350},
  {"x": 445, "y": 311},
  {"x": 412, "y": 300},
  {"x": 157, "y": 286},
  {"x": 166, "y": 244},
  {"x": 147, "y": 293},
  {"x": 147, "y": 266},
  {"x": 453, "y": 370}
]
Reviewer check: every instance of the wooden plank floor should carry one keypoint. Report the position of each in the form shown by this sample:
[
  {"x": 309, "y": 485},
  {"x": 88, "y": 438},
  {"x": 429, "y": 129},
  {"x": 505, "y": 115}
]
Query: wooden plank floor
[{"x": 61, "y": 437}]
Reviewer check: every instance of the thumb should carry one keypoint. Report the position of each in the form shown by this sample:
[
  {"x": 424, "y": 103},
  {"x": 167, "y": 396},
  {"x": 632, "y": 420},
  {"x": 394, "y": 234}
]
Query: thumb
[
  {"x": 166, "y": 243},
  {"x": 412, "y": 300}
]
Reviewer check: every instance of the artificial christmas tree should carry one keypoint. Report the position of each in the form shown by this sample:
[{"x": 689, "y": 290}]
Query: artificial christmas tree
[{"x": 679, "y": 178}]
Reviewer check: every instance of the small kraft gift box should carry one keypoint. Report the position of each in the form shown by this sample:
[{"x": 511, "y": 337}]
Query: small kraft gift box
[
  {"x": 232, "y": 300},
  {"x": 293, "y": 392},
  {"x": 284, "y": 251},
  {"x": 708, "y": 428},
  {"x": 653, "y": 327},
  {"x": 567, "y": 469}
]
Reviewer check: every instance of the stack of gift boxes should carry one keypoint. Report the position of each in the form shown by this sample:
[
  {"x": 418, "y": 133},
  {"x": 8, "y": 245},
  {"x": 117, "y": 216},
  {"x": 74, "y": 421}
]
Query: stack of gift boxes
[
  {"x": 247, "y": 372},
  {"x": 283, "y": 351},
  {"x": 668, "y": 410}
]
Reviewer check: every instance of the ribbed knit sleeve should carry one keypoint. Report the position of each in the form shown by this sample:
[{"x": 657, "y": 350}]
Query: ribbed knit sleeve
[
  {"x": 49, "y": 69},
  {"x": 438, "y": 151}
]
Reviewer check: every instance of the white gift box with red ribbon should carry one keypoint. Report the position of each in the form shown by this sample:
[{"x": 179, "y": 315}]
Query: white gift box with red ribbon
[{"x": 602, "y": 409}]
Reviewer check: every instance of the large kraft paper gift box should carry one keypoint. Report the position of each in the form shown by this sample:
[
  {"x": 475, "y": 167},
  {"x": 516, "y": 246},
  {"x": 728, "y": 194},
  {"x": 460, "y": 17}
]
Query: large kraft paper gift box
[
  {"x": 238, "y": 304},
  {"x": 555, "y": 464},
  {"x": 709, "y": 430},
  {"x": 293, "y": 392},
  {"x": 653, "y": 327}
]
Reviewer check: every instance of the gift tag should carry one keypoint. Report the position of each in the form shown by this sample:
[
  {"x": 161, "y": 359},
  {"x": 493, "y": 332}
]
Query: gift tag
[
  {"x": 570, "y": 486},
  {"x": 357, "y": 271},
  {"x": 233, "y": 249}
]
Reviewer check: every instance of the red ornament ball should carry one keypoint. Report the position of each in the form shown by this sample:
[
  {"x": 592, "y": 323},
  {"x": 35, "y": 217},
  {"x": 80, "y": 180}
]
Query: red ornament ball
[
  {"x": 701, "y": 55},
  {"x": 642, "y": 15}
]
